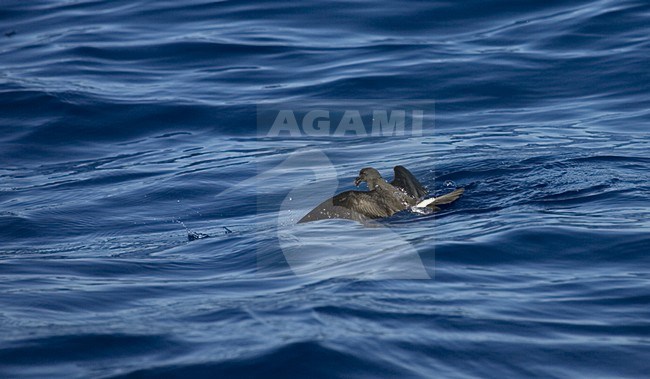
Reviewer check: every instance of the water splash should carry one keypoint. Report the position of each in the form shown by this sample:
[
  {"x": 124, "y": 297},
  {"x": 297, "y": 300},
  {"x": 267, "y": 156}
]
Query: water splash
[{"x": 450, "y": 184}]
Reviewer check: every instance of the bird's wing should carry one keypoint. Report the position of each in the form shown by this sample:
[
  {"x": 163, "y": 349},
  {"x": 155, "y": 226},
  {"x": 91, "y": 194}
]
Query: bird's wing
[
  {"x": 448, "y": 198},
  {"x": 407, "y": 182},
  {"x": 351, "y": 205}
]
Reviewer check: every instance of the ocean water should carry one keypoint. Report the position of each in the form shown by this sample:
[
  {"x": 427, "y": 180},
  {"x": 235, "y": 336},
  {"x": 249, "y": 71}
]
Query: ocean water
[{"x": 148, "y": 227}]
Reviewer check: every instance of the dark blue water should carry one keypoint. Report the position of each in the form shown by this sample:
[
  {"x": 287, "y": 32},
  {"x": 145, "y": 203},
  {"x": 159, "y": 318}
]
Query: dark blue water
[{"x": 127, "y": 125}]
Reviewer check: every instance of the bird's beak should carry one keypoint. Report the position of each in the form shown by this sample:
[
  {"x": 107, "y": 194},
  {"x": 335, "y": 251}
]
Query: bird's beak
[{"x": 357, "y": 181}]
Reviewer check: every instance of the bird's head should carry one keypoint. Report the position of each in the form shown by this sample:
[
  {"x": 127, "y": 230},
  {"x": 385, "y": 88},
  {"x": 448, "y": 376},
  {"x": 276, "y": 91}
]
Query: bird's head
[{"x": 368, "y": 175}]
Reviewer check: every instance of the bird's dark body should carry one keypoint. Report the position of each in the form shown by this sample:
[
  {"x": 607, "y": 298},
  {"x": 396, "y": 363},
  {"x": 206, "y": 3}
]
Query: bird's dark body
[{"x": 383, "y": 199}]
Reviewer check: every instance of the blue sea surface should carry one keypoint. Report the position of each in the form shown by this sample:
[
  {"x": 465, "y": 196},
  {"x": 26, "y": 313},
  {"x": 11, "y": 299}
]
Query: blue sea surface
[{"x": 148, "y": 229}]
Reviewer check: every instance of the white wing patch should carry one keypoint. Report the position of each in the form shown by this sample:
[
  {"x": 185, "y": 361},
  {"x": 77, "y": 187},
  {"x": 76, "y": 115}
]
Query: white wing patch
[{"x": 425, "y": 202}]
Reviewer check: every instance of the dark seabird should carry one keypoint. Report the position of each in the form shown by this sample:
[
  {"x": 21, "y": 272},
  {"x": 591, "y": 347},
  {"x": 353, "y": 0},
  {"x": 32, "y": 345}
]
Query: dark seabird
[{"x": 382, "y": 199}]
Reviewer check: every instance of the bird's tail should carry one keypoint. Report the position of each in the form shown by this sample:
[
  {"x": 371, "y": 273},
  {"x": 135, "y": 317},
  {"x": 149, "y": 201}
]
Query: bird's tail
[{"x": 441, "y": 200}]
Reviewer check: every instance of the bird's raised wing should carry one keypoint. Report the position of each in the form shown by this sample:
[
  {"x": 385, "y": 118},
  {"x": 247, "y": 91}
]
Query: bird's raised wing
[
  {"x": 352, "y": 205},
  {"x": 407, "y": 182}
]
